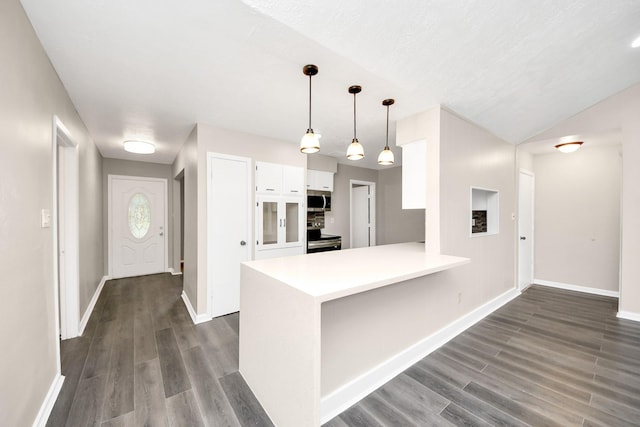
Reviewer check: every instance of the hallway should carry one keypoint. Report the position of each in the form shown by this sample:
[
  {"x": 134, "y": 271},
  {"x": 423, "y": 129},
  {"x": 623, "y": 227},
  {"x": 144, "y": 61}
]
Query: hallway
[{"x": 141, "y": 361}]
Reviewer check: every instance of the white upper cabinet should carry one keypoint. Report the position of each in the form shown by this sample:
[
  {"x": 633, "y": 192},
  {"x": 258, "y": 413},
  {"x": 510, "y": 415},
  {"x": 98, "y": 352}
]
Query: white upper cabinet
[
  {"x": 414, "y": 175},
  {"x": 319, "y": 180},
  {"x": 272, "y": 178}
]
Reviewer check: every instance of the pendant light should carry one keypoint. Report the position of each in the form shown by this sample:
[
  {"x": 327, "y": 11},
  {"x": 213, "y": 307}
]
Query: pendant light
[
  {"x": 355, "y": 150},
  {"x": 386, "y": 155},
  {"x": 310, "y": 142}
]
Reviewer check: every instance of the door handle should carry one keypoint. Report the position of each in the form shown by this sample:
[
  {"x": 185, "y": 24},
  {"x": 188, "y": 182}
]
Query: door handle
[
  {"x": 242, "y": 243},
  {"x": 161, "y": 233},
  {"x": 523, "y": 238}
]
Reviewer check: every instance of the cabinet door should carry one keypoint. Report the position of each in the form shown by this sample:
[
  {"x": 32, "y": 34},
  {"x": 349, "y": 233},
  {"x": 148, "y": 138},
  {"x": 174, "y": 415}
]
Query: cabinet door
[
  {"x": 268, "y": 224},
  {"x": 292, "y": 180},
  {"x": 324, "y": 181},
  {"x": 292, "y": 222},
  {"x": 268, "y": 178}
]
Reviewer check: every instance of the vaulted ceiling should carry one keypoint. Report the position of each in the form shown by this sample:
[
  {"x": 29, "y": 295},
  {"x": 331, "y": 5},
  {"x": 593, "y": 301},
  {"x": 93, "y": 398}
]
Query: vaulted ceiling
[{"x": 151, "y": 69}]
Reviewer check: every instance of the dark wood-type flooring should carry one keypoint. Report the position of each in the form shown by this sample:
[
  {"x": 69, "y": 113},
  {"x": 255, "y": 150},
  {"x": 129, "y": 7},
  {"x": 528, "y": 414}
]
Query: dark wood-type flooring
[{"x": 548, "y": 358}]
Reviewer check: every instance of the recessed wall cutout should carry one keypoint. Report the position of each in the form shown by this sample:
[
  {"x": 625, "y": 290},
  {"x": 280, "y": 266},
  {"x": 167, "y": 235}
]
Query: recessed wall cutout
[{"x": 485, "y": 208}]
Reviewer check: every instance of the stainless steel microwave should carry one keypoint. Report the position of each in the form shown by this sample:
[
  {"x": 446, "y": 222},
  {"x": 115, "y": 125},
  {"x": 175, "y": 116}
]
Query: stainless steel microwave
[{"x": 318, "y": 201}]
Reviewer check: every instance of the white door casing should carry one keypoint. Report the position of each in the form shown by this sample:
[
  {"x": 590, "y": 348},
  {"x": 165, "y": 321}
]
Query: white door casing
[
  {"x": 229, "y": 235},
  {"x": 137, "y": 226},
  {"x": 66, "y": 231},
  {"x": 363, "y": 214},
  {"x": 525, "y": 228}
]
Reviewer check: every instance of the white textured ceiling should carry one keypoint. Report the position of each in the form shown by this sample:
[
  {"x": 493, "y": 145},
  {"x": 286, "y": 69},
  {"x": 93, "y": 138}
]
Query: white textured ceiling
[{"x": 152, "y": 69}]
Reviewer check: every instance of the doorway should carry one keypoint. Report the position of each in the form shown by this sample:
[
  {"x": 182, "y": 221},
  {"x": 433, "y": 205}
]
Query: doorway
[
  {"x": 137, "y": 226},
  {"x": 65, "y": 222},
  {"x": 525, "y": 228},
  {"x": 229, "y": 234},
  {"x": 363, "y": 213}
]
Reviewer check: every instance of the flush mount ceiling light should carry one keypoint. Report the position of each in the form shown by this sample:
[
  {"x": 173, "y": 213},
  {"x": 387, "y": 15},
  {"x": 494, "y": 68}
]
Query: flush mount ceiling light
[
  {"x": 310, "y": 142},
  {"x": 569, "y": 147},
  {"x": 139, "y": 147},
  {"x": 386, "y": 155},
  {"x": 636, "y": 43},
  {"x": 355, "y": 150}
]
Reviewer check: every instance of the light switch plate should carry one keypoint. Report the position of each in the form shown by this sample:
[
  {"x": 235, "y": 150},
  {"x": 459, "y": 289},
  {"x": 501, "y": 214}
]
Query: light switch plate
[{"x": 45, "y": 218}]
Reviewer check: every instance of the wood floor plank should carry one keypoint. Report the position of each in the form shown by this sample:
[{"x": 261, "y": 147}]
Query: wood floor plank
[
  {"x": 126, "y": 420},
  {"x": 86, "y": 409},
  {"x": 183, "y": 410},
  {"x": 461, "y": 417},
  {"x": 356, "y": 416},
  {"x": 216, "y": 410},
  {"x": 244, "y": 403},
  {"x": 174, "y": 374},
  {"x": 384, "y": 412}
]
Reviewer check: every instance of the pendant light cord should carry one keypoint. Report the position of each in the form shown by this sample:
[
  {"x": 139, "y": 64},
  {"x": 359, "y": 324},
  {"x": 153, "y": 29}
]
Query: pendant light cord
[
  {"x": 354, "y": 117},
  {"x": 386, "y": 147},
  {"x": 309, "y": 101}
]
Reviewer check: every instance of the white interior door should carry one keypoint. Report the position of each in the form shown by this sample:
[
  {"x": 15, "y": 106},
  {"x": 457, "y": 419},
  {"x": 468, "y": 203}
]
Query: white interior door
[
  {"x": 137, "y": 226},
  {"x": 525, "y": 229},
  {"x": 360, "y": 216},
  {"x": 229, "y": 225}
]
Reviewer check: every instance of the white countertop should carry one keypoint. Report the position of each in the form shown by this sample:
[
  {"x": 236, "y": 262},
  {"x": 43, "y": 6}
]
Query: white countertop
[{"x": 336, "y": 274}]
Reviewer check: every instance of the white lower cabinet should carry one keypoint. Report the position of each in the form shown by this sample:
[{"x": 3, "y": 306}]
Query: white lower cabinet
[{"x": 280, "y": 226}]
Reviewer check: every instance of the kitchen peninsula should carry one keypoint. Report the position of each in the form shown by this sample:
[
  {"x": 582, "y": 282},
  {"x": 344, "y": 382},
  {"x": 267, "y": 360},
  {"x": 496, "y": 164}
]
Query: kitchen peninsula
[{"x": 320, "y": 331}]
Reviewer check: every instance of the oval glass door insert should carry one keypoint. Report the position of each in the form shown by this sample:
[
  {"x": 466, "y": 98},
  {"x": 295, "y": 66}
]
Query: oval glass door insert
[{"x": 139, "y": 215}]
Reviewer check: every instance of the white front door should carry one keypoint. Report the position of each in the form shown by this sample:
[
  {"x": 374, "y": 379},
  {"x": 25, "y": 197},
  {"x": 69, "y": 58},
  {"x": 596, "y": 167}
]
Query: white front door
[
  {"x": 525, "y": 229},
  {"x": 229, "y": 224},
  {"x": 137, "y": 226},
  {"x": 363, "y": 214}
]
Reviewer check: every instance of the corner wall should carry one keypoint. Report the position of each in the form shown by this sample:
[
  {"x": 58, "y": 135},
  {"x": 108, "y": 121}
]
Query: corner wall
[
  {"x": 619, "y": 111},
  {"x": 31, "y": 95}
]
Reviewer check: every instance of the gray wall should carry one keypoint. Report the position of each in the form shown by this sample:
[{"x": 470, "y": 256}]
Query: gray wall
[
  {"x": 394, "y": 224},
  {"x": 144, "y": 169},
  {"x": 337, "y": 222},
  {"x": 31, "y": 94},
  {"x": 577, "y": 217}
]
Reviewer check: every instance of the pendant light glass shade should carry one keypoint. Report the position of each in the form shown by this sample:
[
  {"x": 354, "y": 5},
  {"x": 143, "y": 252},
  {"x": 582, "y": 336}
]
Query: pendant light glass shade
[
  {"x": 310, "y": 142},
  {"x": 355, "y": 150},
  {"x": 386, "y": 157}
]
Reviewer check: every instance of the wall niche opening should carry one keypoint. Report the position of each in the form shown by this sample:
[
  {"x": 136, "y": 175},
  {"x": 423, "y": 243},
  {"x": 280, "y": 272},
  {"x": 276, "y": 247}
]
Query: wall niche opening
[{"x": 484, "y": 219}]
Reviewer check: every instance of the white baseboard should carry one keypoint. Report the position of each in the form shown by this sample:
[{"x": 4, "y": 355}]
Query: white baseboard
[
  {"x": 569, "y": 287},
  {"x": 352, "y": 392},
  {"x": 629, "y": 315},
  {"x": 49, "y": 401},
  {"x": 173, "y": 272},
  {"x": 92, "y": 305},
  {"x": 195, "y": 318}
]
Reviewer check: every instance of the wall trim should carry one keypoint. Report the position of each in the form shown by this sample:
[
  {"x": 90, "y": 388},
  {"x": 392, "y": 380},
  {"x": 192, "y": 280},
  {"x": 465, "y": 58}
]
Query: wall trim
[
  {"x": 570, "y": 287},
  {"x": 195, "y": 318},
  {"x": 173, "y": 272},
  {"x": 92, "y": 305},
  {"x": 352, "y": 392},
  {"x": 49, "y": 401},
  {"x": 629, "y": 315}
]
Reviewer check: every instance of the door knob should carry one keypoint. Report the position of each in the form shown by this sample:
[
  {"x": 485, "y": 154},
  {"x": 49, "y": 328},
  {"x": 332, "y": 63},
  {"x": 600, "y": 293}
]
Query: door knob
[
  {"x": 523, "y": 238},
  {"x": 242, "y": 243},
  {"x": 161, "y": 233}
]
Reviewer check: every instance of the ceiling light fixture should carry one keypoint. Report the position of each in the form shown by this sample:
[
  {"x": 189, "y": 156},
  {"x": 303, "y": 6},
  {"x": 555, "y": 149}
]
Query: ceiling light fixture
[
  {"x": 355, "y": 150},
  {"x": 386, "y": 155},
  {"x": 569, "y": 147},
  {"x": 310, "y": 142},
  {"x": 139, "y": 147},
  {"x": 636, "y": 43}
]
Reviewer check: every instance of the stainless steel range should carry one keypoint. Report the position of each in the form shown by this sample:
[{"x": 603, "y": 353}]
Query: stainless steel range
[{"x": 316, "y": 240}]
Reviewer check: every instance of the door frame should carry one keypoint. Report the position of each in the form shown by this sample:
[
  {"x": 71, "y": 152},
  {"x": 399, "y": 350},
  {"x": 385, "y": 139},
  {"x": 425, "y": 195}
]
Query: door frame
[
  {"x": 65, "y": 219},
  {"x": 210, "y": 207},
  {"x": 372, "y": 211},
  {"x": 110, "y": 179},
  {"x": 532, "y": 230}
]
